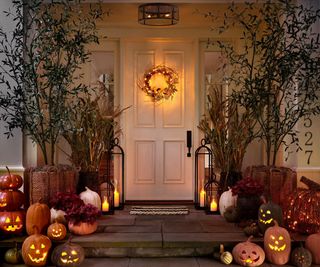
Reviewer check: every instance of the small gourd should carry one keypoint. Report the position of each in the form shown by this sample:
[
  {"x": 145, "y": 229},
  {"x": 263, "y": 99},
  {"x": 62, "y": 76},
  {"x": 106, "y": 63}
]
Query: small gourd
[
  {"x": 225, "y": 256},
  {"x": 231, "y": 214},
  {"x": 301, "y": 257},
  {"x": 251, "y": 230},
  {"x": 90, "y": 197}
]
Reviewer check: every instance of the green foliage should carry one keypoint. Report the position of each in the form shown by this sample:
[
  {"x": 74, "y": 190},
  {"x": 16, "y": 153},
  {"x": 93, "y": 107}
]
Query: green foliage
[
  {"x": 41, "y": 66},
  {"x": 276, "y": 71}
]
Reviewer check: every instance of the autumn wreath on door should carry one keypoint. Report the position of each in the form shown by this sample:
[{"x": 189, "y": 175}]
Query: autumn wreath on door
[{"x": 160, "y": 82}]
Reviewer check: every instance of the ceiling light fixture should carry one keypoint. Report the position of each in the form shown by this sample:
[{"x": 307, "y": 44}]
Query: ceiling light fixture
[{"x": 158, "y": 14}]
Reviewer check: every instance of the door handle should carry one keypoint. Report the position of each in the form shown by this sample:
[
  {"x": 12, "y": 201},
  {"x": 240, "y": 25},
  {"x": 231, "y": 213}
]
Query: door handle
[{"x": 189, "y": 143}]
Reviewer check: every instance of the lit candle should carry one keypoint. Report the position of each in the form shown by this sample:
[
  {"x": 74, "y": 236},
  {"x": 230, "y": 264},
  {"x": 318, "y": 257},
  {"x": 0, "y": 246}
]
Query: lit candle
[
  {"x": 105, "y": 205},
  {"x": 116, "y": 198},
  {"x": 202, "y": 197},
  {"x": 213, "y": 205}
]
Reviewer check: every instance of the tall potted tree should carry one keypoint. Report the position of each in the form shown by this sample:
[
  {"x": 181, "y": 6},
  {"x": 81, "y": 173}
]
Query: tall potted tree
[
  {"x": 277, "y": 72},
  {"x": 40, "y": 71}
]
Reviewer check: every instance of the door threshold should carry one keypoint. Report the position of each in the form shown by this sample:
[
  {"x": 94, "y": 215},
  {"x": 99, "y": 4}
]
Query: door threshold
[{"x": 159, "y": 202}]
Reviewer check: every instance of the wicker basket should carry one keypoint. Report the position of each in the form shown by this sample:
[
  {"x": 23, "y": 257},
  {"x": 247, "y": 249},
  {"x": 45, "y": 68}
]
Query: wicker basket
[{"x": 43, "y": 183}]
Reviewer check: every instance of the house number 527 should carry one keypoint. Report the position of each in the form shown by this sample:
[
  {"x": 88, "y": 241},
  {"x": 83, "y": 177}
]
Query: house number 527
[{"x": 308, "y": 135}]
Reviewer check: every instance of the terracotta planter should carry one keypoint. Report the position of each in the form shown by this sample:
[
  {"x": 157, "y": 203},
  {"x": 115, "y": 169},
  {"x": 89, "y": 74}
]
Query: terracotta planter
[
  {"x": 83, "y": 228},
  {"x": 248, "y": 207}
]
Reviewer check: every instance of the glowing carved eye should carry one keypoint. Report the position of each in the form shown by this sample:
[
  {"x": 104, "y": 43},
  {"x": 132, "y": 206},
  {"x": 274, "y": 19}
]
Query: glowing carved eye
[
  {"x": 73, "y": 252},
  {"x": 281, "y": 237},
  {"x": 8, "y": 220},
  {"x": 43, "y": 246},
  {"x": 268, "y": 212},
  {"x": 32, "y": 246},
  {"x": 261, "y": 210},
  {"x": 272, "y": 237},
  {"x": 18, "y": 219},
  {"x": 64, "y": 253}
]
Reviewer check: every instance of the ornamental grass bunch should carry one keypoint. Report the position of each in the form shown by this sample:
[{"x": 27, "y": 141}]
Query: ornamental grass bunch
[{"x": 248, "y": 187}]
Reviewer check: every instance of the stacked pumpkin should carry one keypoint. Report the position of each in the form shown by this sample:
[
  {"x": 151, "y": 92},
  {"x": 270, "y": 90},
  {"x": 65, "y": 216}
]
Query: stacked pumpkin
[{"x": 12, "y": 217}]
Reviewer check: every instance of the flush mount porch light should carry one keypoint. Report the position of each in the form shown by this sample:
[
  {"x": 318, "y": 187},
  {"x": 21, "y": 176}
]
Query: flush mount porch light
[{"x": 158, "y": 14}]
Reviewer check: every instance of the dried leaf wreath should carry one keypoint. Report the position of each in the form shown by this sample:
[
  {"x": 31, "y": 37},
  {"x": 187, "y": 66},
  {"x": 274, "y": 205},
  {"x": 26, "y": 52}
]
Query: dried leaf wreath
[{"x": 171, "y": 78}]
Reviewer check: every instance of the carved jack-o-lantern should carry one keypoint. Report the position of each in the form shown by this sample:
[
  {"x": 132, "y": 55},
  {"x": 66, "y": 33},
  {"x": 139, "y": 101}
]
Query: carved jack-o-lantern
[
  {"x": 248, "y": 254},
  {"x": 35, "y": 249},
  {"x": 277, "y": 244},
  {"x": 11, "y": 200},
  {"x": 268, "y": 212},
  {"x": 67, "y": 254},
  {"x": 57, "y": 231},
  {"x": 10, "y": 181},
  {"x": 12, "y": 222}
]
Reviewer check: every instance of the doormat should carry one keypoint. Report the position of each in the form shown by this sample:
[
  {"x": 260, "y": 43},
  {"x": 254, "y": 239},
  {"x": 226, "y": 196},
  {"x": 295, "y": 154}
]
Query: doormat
[{"x": 159, "y": 210}]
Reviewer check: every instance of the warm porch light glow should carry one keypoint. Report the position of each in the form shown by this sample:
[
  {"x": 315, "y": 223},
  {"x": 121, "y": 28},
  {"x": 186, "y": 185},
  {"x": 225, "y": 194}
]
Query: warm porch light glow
[
  {"x": 105, "y": 204},
  {"x": 202, "y": 198},
  {"x": 116, "y": 199},
  {"x": 158, "y": 81},
  {"x": 213, "y": 205}
]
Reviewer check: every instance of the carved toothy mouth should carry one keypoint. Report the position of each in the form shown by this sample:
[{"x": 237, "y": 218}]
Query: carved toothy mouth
[
  {"x": 249, "y": 260},
  {"x": 267, "y": 221},
  {"x": 276, "y": 248},
  {"x": 3, "y": 205},
  {"x": 69, "y": 261},
  {"x": 12, "y": 228},
  {"x": 38, "y": 260},
  {"x": 56, "y": 235}
]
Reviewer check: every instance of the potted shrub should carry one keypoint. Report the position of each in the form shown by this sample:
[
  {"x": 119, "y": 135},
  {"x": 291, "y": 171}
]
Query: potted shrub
[
  {"x": 229, "y": 132},
  {"x": 40, "y": 71},
  {"x": 276, "y": 73},
  {"x": 91, "y": 135}
]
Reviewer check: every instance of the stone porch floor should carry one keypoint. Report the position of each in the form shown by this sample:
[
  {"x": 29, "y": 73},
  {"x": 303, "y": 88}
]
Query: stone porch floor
[{"x": 134, "y": 240}]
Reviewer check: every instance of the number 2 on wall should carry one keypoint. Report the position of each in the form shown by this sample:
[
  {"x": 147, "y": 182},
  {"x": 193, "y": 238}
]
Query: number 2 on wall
[{"x": 308, "y": 123}]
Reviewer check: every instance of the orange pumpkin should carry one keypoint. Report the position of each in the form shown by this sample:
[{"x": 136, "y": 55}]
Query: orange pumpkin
[
  {"x": 248, "y": 253},
  {"x": 83, "y": 228},
  {"x": 57, "y": 231},
  {"x": 12, "y": 222},
  {"x": 11, "y": 200},
  {"x": 38, "y": 215},
  {"x": 10, "y": 181},
  {"x": 35, "y": 249},
  {"x": 313, "y": 244},
  {"x": 277, "y": 244}
]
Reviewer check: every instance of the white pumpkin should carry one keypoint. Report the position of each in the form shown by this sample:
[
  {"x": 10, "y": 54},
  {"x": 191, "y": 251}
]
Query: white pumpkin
[
  {"x": 57, "y": 216},
  {"x": 90, "y": 197},
  {"x": 227, "y": 200}
]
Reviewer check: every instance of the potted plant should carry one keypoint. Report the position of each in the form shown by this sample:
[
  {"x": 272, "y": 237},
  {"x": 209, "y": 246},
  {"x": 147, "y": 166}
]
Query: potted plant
[
  {"x": 276, "y": 72},
  {"x": 40, "y": 71},
  {"x": 229, "y": 133},
  {"x": 82, "y": 220},
  {"x": 91, "y": 132}
]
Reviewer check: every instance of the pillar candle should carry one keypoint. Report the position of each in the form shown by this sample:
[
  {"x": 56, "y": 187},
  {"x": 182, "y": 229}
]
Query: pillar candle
[
  {"x": 105, "y": 205},
  {"x": 202, "y": 197},
  {"x": 213, "y": 205},
  {"x": 116, "y": 198}
]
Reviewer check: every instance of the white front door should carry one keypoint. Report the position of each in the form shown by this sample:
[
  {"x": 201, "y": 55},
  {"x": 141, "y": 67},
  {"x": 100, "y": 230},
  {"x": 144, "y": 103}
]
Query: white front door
[{"x": 157, "y": 166}]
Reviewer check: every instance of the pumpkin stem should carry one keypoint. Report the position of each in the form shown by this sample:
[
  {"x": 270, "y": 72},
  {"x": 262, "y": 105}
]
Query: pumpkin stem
[
  {"x": 8, "y": 171},
  {"x": 250, "y": 238},
  {"x": 87, "y": 188},
  {"x": 221, "y": 248},
  {"x": 35, "y": 229},
  {"x": 275, "y": 223}
]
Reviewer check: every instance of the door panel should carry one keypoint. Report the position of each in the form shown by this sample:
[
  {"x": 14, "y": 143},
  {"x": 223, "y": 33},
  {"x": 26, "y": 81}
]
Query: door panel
[{"x": 155, "y": 132}]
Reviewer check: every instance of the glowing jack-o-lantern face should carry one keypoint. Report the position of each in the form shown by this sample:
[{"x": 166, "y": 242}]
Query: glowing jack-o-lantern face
[
  {"x": 277, "y": 244},
  {"x": 11, "y": 200},
  {"x": 3, "y": 202},
  {"x": 68, "y": 254},
  {"x": 57, "y": 231},
  {"x": 11, "y": 222},
  {"x": 248, "y": 254},
  {"x": 35, "y": 250},
  {"x": 269, "y": 212}
]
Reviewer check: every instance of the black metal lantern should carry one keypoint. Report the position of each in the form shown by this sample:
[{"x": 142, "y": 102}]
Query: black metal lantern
[
  {"x": 112, "y": 169},
  {"x": 212, "y": 196},
  {"x": 107, "y": 197},
  {"x": 203, "y": 173},
  {"x": 158, "y": 14}
]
